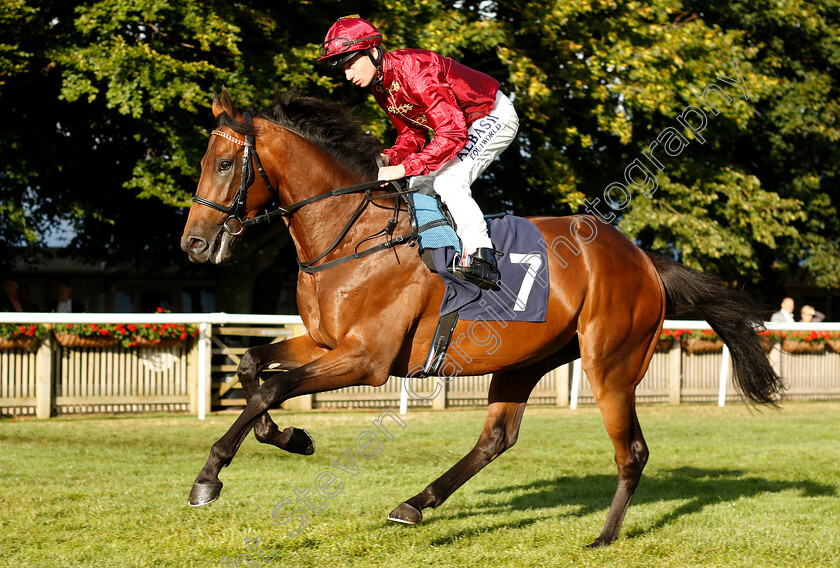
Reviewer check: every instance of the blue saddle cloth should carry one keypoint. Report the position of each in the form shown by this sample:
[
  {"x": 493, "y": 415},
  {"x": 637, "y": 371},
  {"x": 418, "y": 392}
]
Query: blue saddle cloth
[{"x": 523, "y": 290}]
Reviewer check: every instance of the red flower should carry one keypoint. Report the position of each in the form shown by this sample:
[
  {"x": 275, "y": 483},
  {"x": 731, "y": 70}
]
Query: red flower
[{"x": 132, "y": 327}]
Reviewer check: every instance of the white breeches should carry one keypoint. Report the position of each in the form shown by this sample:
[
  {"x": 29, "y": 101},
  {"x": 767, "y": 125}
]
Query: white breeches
[{"x": 488, "y": 137}]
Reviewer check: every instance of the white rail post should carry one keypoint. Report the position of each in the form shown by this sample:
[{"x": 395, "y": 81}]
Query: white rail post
[
  {"x": 675, "y": 372},
  {"x": 576, "y": 372},
  {"x": 44, "y": 379},
  {"x": 724, "y": 374},
  {"x": 205, "y": 331},
  {"x": 561, "y": 384},
  {"x": 439, "y": 402},
  {"x": 404, "y": 396}
]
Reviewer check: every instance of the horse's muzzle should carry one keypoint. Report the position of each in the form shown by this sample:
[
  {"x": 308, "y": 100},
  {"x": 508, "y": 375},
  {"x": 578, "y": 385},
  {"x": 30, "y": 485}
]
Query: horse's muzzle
[{"x": 197, "y": 249}]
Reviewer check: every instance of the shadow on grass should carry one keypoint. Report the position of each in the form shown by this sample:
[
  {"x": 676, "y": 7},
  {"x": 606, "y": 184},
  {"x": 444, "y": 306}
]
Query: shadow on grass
[{"x": 584, "y": 495}]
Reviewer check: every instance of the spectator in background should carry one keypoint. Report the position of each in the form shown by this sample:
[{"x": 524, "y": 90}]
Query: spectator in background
[
  {"x": 66, "y": 304},
  {"x": 809, "y": 315},
  {"x": 23, "y": 298},
  {"x": 785, "y": 315},
  {"x": 10, "y": 301}
]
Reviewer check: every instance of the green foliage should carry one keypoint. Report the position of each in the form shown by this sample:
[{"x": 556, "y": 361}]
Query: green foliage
[
  {"x": 15, "y": 17},
  {"x": 21, "y": 331},
  {"x": 87, "y": 329},
  {"x": 112, "y": 97}
]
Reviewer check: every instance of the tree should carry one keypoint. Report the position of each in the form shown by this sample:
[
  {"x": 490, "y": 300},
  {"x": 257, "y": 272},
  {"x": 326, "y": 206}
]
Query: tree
[
  {"x": 67, "y": 161},
  {"x": 107, "y": 114},
  {"x": 598, "y": 82}
]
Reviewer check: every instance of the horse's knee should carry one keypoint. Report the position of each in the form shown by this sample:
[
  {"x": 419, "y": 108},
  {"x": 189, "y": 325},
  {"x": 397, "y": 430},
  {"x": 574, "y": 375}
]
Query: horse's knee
[
  {"x": 248, "y": 365},
  {"x": 630, "y": 468},
  {"x": 640, "y": 451}
]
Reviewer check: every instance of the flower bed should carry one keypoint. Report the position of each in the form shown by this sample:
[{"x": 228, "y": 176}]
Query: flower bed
[
  {"x": 667, "y": 338},
  {"x": 21, "y": 336},
  {"x": 127, "y": 335},
  {"x": 707, "y": 341},
  {"x": 806, "y": 341},
  {"x": 700, "y": 341},
  {"x": 155, "y": 335},
  {"x": 85, "y": 335}
]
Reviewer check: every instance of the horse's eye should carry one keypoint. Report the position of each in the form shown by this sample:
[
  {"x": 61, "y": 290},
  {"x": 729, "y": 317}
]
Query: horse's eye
[{"x": 225, "y": 165}]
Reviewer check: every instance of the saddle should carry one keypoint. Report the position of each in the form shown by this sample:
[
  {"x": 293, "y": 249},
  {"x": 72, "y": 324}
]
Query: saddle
[{"x": 523, "y": 290}]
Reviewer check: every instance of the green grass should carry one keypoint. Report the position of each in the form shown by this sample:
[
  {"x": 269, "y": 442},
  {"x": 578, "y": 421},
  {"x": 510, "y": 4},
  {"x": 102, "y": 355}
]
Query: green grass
[{"x": 723, "y": 488}]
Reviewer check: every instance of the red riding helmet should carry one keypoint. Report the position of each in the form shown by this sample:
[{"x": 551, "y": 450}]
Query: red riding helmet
[{"x": 348, "y": 36}]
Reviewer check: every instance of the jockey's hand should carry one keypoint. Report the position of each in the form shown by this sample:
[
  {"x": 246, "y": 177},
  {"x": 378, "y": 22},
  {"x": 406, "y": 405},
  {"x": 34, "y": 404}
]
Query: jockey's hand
[
  {"x": 390, "y": 173},
  {"x": 386, "y": 160}
]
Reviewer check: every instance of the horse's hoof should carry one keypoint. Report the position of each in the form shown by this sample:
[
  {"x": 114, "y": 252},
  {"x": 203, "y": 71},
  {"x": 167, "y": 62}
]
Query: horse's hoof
[
  {"x": 300, "y": 442},
  {"x": 204, "y": 493},
  {"x": 406, "y": 514}
]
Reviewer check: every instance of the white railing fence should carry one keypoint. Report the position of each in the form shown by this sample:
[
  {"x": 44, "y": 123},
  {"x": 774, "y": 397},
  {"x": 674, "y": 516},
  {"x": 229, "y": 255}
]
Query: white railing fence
[{"x": 200, "y": 375}]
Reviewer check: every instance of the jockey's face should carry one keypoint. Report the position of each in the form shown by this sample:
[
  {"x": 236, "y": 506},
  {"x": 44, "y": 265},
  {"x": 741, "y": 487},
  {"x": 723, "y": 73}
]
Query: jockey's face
[{"x": 360, "y": 70}]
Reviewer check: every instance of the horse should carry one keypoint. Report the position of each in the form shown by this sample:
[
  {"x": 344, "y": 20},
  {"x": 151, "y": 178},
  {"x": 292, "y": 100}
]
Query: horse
[{"x": 370, "y": 305}]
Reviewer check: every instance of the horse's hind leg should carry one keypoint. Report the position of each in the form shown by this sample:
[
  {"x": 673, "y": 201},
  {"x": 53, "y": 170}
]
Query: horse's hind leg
[
  {"x": 290, "y": 354},
  {"x": 614, "y": 388},
  {"x": 508, "y": 393}
]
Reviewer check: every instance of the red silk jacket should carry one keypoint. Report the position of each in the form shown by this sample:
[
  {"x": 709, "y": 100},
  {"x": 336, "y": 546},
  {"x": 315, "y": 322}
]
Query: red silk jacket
[{"x": 422, "y": 93}]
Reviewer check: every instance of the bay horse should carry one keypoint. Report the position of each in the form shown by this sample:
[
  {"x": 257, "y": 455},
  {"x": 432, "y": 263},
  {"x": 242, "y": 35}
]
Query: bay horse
[{"x": 371, "y": 316}]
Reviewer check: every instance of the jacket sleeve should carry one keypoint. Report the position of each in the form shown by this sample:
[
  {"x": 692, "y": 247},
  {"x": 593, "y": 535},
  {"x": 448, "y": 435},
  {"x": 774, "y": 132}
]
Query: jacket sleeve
[
  {"x": 447, "y": 122},
  {"x": 409, "y": 141}
]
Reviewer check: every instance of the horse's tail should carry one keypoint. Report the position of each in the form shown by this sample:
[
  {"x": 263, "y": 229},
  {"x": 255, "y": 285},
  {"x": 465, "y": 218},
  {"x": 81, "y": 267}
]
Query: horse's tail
[{"x": 735, "y": 319}]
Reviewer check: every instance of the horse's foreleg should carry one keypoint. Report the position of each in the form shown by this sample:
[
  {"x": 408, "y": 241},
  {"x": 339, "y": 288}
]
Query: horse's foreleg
[
  {"x": 348, "y": 365},
  {"x": 288, "y": 354},
  {"x": 508, "y": 393}
]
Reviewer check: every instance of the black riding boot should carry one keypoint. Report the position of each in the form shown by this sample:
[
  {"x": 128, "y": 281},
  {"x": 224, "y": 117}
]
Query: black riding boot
[{"x": 482, "y": 269}]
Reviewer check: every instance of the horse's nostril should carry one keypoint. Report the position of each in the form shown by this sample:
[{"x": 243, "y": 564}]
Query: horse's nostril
[{"x": 194, "y": 245}]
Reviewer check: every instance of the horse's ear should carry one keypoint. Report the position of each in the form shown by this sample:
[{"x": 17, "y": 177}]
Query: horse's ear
[
  {"x": 217, "y": 106},
  {"x": 227, "y": 104}
]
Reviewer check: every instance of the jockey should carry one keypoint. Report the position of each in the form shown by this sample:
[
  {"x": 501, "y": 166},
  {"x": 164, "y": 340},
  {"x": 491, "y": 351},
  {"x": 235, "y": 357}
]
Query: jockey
[{"x": 451, "y": 122}]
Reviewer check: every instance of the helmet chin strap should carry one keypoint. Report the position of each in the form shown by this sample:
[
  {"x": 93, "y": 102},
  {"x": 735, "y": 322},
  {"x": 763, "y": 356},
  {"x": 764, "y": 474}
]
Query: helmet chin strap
[{"x": 377, "y": 62}]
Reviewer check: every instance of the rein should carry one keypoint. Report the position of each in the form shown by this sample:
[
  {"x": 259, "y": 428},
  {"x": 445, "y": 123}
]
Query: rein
[{"x": 236, "y": 210}]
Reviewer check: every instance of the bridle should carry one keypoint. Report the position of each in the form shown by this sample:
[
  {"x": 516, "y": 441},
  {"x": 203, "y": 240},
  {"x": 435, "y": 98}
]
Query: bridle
[{"x": 236, "y": 211}]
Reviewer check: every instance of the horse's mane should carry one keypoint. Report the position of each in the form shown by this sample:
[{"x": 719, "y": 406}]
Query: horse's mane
[{"x": 328, "y": 124}]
